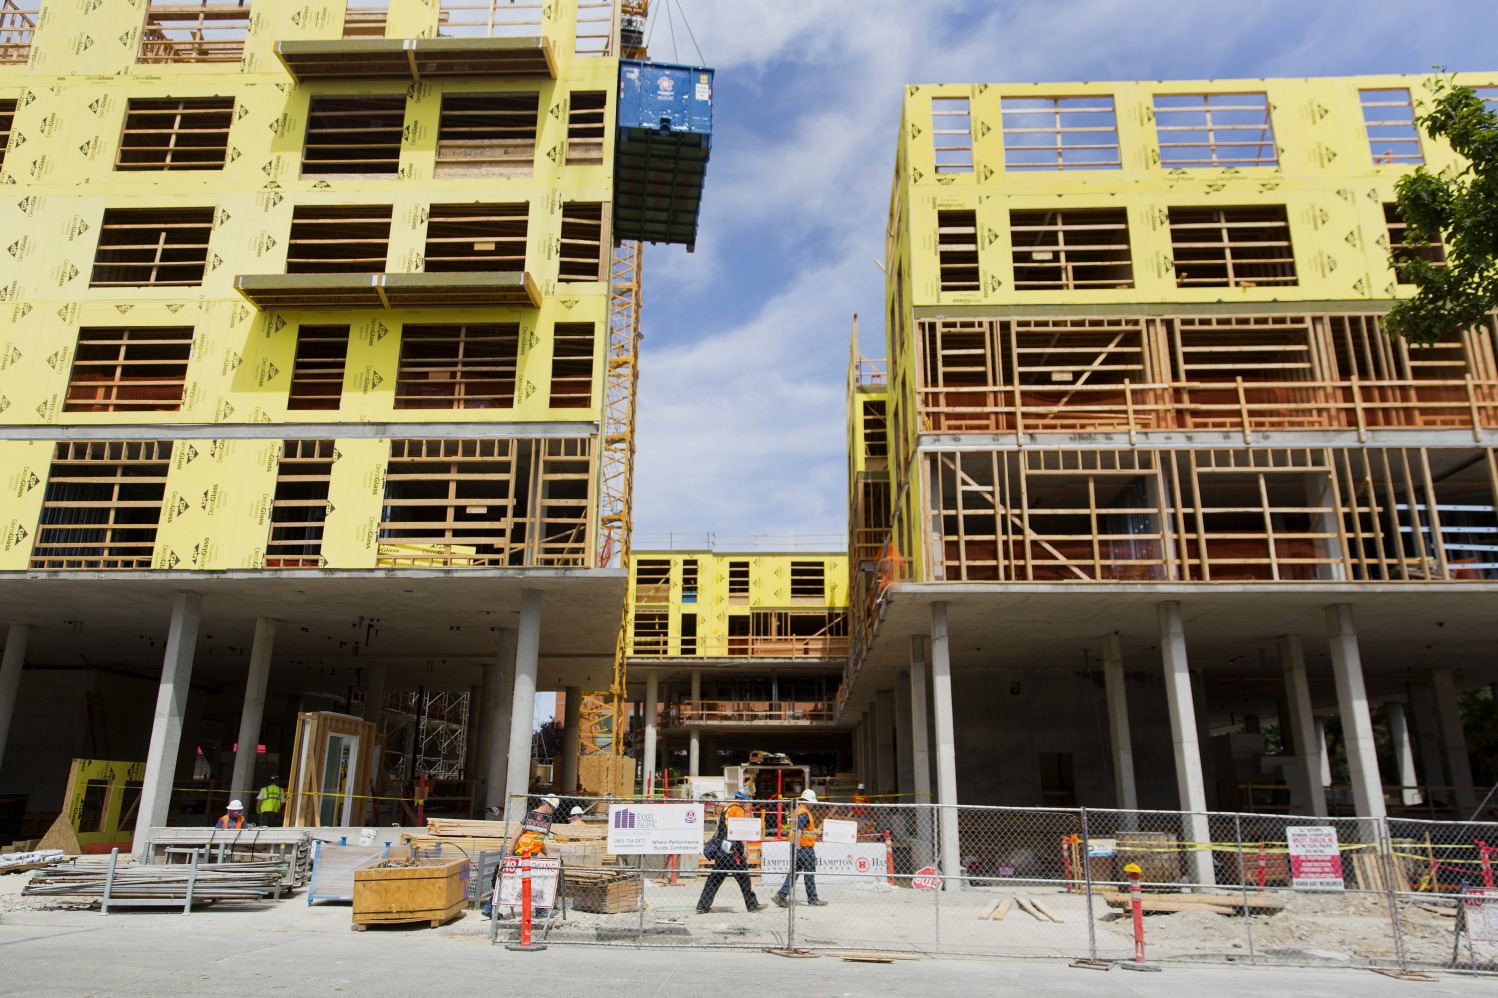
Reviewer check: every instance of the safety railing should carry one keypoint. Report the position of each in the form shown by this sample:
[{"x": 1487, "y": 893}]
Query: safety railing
[
  {"x": 792, "y": 712},
  {"x": 740, "y": 646},
  {"x": 1385, "y": 894}
]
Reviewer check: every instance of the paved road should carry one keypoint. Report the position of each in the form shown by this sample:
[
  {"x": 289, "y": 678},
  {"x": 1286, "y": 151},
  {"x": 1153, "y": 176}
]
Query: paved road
[{"x": 245, "y": 953}]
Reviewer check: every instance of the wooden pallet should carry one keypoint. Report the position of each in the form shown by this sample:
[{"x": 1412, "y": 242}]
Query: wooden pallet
[{"x": 604, "y": 892}]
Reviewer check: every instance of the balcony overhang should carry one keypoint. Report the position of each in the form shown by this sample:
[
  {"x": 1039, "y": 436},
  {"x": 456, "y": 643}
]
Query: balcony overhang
[
  {"x": 417, "y": 58},
  {"x": 335, "y": 292}
]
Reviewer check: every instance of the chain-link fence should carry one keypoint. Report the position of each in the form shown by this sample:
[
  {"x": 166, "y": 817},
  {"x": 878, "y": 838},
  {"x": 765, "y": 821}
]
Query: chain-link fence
[{"x": 1004, "y": 881}]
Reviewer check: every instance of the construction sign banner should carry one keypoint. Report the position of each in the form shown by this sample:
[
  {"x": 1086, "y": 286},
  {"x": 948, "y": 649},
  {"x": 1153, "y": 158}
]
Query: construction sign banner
[
  {"x": 543, "y": 882},
  {"x": 859, "y": 865},
  {"x": 1480, "y": 908},
  {"x": 1315, "y": 860},
  {"x": 745, "y": 830},
  {"x": 655, "y": 829},
  {"x": 841, "y": 832}
]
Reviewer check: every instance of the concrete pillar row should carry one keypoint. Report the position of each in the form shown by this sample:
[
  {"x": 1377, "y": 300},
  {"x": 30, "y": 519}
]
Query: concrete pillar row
[
  {"x": 523, "y": 703},
  {"x": 651, "y": 706},
  {"x": 1404, "y": 753},
  {"x": 1307, "y": 735},
  {"x": 946, "y": 746},
  {"x": 1190, "y": 784},
  {"x": 1125, "y": 791},
  {"x": 920, "y": 752},
  {"x": 1422, "y": 713},
  {"x": 1324, "y": 756},
  {"x": 171, "y": 706},
  {"x": 1453, "y": 739},
  {"x": 10, "y": 678},
  {"x": 1352, "y": 705},
  {"x": 242, "y": 784},
  {"x": 572, "y": 738},
  {"x": 497, "y": 764}
]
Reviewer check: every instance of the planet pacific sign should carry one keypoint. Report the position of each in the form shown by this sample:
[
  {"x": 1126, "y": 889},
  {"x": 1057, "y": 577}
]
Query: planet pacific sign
[{"x": 655, "y": 829}]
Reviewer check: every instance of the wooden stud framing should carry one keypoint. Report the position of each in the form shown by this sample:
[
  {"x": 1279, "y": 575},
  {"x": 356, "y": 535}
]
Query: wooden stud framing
[
  {"x": 17, "y": 27},
  {"x": 1431, "y": 251},
  {"x": 957, "y": 250},
  {"x": 558, "y": 532},
  {"x": 318, "y": 367},
  {"x": 129, "y": 369},
  {"x": 952, "y": 134},
  {"x": 1226, "y": 130},
  {"x": 483, "y": 238},
  {"x": 339, "y": 239},
  {"x": 452, "y": 503},
  {"x": 175, "y": 133},
  {"x": 300, "y": 506},
  {"x": 1060, "y": 133},
  {"x": 1072, "y": 249},
  {"x": 7, "y": 120},
  {"x": 585, "y": 131},
  {"x": 572, "y": 353},
  {"x": 309, "y": 765},
  {"x": 457, "y": 366},
  {"x": 582, "y": 242},
  {"x": 1389, "y": 118},
  {"x": 194, "y": 32},
  {"x": 358, "y": 136},
  {"x": 152, "y": 246},
  {"x": 365, "y": 18},
  {"x": 102, "y": 505},
  {"x": 1231, "y": 247},
  {"x": 487, "y": 135},
  {"x": 489, "y": 18}
]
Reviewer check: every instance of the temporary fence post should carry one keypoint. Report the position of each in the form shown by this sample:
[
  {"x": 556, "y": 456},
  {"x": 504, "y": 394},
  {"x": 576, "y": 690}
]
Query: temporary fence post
[
  {"x": 1087, "y": 876},
  {"x": 1386, "y": 849},
  {"x": 1248, "y": 922},
  {"x": 792, "y": 839}
]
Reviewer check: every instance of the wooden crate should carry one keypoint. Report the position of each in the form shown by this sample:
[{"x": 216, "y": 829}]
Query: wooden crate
[
  {"x": 421, "y": 890},
  {"x": 604, "y": 893}
]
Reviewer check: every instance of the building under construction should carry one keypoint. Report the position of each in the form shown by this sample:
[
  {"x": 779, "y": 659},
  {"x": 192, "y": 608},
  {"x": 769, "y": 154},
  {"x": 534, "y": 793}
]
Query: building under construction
[{"x": 1157, "y": 478}]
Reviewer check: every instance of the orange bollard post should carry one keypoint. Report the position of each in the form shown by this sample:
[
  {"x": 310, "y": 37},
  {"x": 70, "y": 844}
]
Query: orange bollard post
[
  {"x": 1136, "y": 902},
  {"x": 1261, "y": 866},
  {"x": 525, "y": 944}
]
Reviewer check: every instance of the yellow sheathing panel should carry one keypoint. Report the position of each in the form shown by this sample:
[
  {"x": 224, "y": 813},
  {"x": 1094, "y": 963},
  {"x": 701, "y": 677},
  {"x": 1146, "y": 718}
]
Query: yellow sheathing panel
[
  {"x": 355, "y": 494},
  {"x": 25, "y": 479},
  {"x": 215, "y": 513}
]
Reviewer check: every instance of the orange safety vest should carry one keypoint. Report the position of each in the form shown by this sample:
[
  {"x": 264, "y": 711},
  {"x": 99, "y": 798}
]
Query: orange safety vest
[
  {"x": 809, "y": 836},
  {"x": 530, "y": 844},
  {"x": 228, "y": 822}
]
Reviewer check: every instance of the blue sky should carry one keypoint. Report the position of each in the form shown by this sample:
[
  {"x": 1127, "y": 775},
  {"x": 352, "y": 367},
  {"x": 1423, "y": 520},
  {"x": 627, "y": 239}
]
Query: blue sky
[{"x": 742, "y": 371}]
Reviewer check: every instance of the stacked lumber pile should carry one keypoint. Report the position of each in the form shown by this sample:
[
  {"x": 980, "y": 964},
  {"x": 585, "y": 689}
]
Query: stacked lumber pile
[
  {"x": 1220, "y": 904},
  {"x": 574, "y": 845},
  {"x": 291, "y": 847},
  {"x": 210, "y": 882},
  {"x": 604, "y": 892}
]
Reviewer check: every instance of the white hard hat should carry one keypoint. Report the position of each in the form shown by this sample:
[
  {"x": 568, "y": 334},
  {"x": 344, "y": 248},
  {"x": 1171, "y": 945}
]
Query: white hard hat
[
  {"x": 553, "y": 800},
  {"x": 235, "y": 805},
  {"x": 577, "y": 810},
  {"x": 808, "y": 796},
  {"x": 860, "y": 786}
]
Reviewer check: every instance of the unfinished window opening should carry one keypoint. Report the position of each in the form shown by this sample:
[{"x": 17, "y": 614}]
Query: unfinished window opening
[
  {"x": 1070, "y": 354},
  {"x": 152, "y": 246},
  {"x": 572, "y": 365},
  {"x": 479, "y": 238},
  {"x": 582, "y": 256},
  {"x": 342, "y": 239},
  {"x": 808, "y": 580},
  {"x": 870, "y": 521},
  {"x": 958, "y": 353},
  {"x": 794, "y": 634},
  {"x": 454, "y": 503},
  {"x": 1401, "y": 253},
  {"x": 952, "y": 134},
  {"x": 17, "y": 26},
  {"x": 875, "y": 430},
  {"x": 1239, "y": 247},
  {"x": 365, "y": 18},
  {"x": 317, "y": 370},
  {"x": 1231, "y": 130},
  {"x": 102, "y": 505},
  {"x": 1254, "y": 348},
  {"x": 175, "y": 134},
  {"x": 466, "y": 366},
  {"x": 652, "y": 632},
  {"x": 565, "y": 487},
  {"x": 957, "y": 250},
  {"x": 689, "y": 580},
  {"x": 688, "y": 633},
  {"x": 1060, "y": 133},
  {"x": 129, "y": 369},
  {"x": 1256, "y": 525},
  {"x": 300, "y": 508},
  {"x": 1361, "y": 349},
  {"x": 653, "y": 580},
  {"x": 738, "y": 582},
  {"x": 490, "y": 18},
  {"x": 487, "y": 135},
  {"x": 1389, "y": 118},
  {"x": 585, "y": 112},
  {"x": 593, "y": 36},
  {"x": 1071, "y": 250},
  {"x": 205, "y": 31},
  {"x": 353, "y": 135},
  {"x": 7, "y": 120}
]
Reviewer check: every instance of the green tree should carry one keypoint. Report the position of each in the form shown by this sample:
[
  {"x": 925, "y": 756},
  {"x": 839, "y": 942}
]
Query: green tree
[{"x": 1459, "y": 208}]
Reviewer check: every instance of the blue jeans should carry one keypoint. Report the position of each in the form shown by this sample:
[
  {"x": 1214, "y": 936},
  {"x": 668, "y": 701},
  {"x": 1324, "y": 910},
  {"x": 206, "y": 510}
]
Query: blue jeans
[{"x": 804, "y": 863}]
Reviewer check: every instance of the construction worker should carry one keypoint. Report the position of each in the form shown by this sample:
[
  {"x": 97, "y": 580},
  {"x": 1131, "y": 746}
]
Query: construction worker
[
  {"x": 803, "y": 853},
  {"x": 270, "y": 798},
  {"x": 234, "y": 818},
  {"x": 730, "y": 858},
  {"x": 860, "y": 796},
  {"x": 577, "y": 817}
]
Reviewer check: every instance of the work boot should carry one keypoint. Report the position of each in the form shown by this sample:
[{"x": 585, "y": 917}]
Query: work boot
[
  {"x": 758, "y": 906},
  {"x": 817, "y": 903},
  {"x": 778, "y": 900},
  {"x": 703, "y": 911}
]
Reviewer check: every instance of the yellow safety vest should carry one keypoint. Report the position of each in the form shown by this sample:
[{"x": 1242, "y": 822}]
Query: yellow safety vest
[{"x": 271, "y": 802}]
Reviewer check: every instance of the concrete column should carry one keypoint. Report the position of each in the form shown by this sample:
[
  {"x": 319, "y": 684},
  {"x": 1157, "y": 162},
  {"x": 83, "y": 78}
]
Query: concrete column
[
  {"x": 572, "y": 737},
  {"x": 523, "y": 704},
  {"x": 374, "y": 692},
  {"x": 1454, "y": 740},
  {"x": 904, "y": 761},
  {"x": 651, "y": 706},
  {"x": 946, "y": 746},
  {"x": 1324, "y": 764},
  {"x": 694, "y": 746},
  {"x": 10, "y": 678},
  {"x": 242, "y": 785},
  {"x": 483, "y": 747},
  {"x": 1190, "y": 785},
  {"x": 1352, "y": 705},
  {"x": 884, "y": 734},
  {"x": 1125, "y": 791},
  {"x": 498, "y": 759},
  {"x": 1305, "y": 732},
  {"x": 1428, "y": 734},
  {"x": 920, "y": 753},
  {"x": 1404, "y": 754},
  {"x": 166, "y": 728}
]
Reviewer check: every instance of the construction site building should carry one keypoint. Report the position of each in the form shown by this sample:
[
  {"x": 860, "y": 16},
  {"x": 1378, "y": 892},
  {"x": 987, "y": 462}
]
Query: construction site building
[
  {"x": 736, "y": 649},
  {"x": 1157, "y": 477},
  {"x": 304, "y": 345}
]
